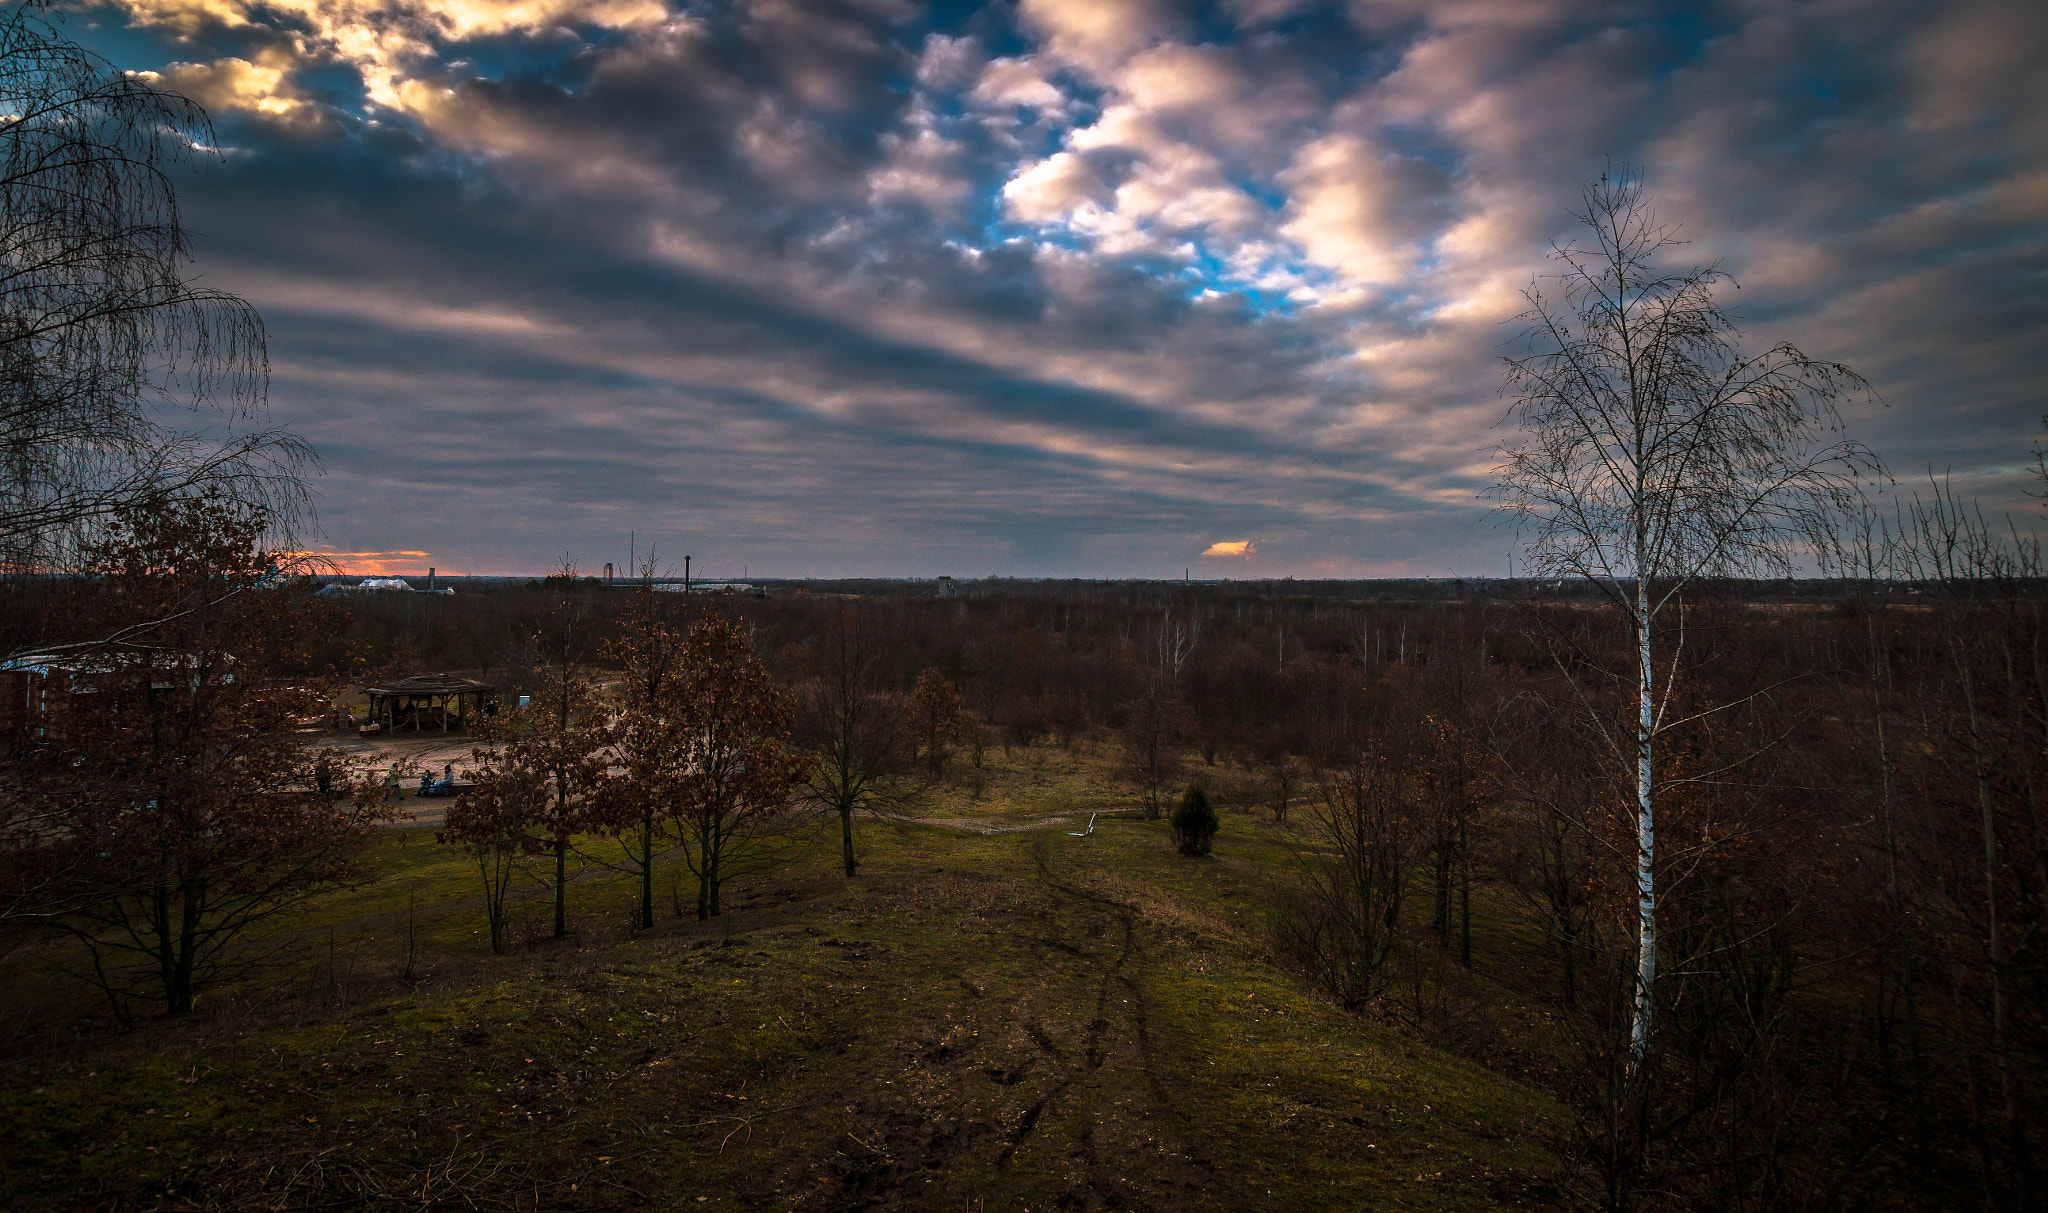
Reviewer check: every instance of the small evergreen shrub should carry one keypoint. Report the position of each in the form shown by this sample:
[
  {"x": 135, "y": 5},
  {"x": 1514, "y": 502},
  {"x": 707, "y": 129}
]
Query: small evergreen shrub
[{"x": 1194, "y": 821}]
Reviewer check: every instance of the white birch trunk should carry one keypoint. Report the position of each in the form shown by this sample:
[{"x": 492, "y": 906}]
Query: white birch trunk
[
  {"x": 1649, "y": 435},
  {"x": 1646, "y": 886}
]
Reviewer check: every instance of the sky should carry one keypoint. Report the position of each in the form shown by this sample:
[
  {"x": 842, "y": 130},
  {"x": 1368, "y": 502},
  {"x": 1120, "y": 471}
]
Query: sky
[{"x": 1097, "y": 288}]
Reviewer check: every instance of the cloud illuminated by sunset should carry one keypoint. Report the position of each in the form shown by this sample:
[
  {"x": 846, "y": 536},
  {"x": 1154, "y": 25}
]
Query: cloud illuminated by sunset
[{"x": 1056, "y": 287}]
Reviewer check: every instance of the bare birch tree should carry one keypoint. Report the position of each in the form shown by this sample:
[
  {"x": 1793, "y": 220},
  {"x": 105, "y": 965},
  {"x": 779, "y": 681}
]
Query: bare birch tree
[
  {"x": 103, "y": 337},
  {"x": 1653, "y": 452}
]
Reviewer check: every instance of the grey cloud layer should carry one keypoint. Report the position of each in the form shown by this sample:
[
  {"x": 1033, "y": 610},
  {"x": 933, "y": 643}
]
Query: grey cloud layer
[{"x": 1074, "y": 286}]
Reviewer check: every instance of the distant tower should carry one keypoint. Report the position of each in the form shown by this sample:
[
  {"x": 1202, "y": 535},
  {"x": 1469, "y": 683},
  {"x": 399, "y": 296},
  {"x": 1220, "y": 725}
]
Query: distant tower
[
  {"x": 430, "y": 579},
  {"x": 607, "y": 572}
]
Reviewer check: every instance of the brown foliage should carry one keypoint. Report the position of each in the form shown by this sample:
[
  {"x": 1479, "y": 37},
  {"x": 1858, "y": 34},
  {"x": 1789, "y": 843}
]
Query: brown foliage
[
  {"x": 935, "y": 716},
  {"x": 649, "y": 652},
  {"x": 727, "y": 751},
  {"x": 538, "y": 790},
  {"x": 495, "y": 819},
  {"x": 164, "y": 804}
]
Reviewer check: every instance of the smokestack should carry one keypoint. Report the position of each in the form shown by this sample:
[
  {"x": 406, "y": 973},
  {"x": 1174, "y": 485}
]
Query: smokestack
[
  {"x": 430, "y": 579},
  {"x": 686, "y": 574}
]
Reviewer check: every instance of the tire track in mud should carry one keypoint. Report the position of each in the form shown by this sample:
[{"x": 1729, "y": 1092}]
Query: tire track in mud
[
  {"x": 1126, "y": 917},
  {"x": 1103, "y": 1187},
  {"x": 1092, "y": 1057},
  {"x": 1028, "y": 1122},
  {"x": 1070, "y": 1074},
  {"x": 885, "y": 1172},
  {"x": 1145, "y": 1041}
]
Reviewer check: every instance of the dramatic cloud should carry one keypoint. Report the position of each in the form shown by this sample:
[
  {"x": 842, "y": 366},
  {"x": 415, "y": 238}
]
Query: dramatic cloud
[{"x": 1059, "y": 286}]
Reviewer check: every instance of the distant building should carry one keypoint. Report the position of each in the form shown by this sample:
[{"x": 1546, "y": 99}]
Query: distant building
[
  {"x": 715, "y": 587},
  {"x": 30, "y": 683},
  {"x": 387, "y": 585},
  {"x": 25, "y": 688}
]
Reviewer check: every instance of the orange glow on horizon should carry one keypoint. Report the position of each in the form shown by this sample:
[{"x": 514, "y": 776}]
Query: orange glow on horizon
[{"x": 381, "y": 564}]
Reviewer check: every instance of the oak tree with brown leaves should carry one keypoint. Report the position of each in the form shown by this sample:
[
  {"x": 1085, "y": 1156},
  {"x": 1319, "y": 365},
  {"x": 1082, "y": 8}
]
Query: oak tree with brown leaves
[
  {"x": 541, "y": 768},
  {"x": 496, "y": 820},
  {"x": 636, "y": 801},
  {"x": 935, "y": 716},
  {"x": 560, "y": 741},
  {"x": 163, "y": 804},
  {"x": 733, "y": 764}
]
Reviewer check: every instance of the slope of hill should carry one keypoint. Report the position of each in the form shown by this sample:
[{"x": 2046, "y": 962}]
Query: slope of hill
[{"x": 1013, "y": 1019}]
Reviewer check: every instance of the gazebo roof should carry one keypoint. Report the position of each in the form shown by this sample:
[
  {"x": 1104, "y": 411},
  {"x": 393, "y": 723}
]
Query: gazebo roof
[{"x": 433, "y": 684}]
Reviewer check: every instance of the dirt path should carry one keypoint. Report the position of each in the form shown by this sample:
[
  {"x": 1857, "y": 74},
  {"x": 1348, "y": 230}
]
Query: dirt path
[
  {"x": 981, "y": 825},
  {"x": 1053, "y": 1088}
]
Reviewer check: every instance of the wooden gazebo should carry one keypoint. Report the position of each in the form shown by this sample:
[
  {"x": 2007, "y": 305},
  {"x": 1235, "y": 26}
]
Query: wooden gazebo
[{"x": 427, "y": 701}]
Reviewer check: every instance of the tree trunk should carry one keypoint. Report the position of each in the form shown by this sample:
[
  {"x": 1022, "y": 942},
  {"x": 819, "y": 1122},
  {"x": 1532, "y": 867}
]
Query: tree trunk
[
  {"x": 166, "y": 956},
  {"x": 1570, "y": 937},
  {"x": 846, "y": 836},
  {"x": 707, "y": 875},
  {"x": 711, "y": 876},
  {"x": 1646, "y": 838},
  {"x": 1441, "y": 920},
  {"x": 191, "y": 897},
  {"x": 493, "y": 866},
  {"x": 647, "y": 870},
  {"x": 1464, "y": 896},
  {"x": 561, "y": 887},
  {"x": 1994, "y": 951}
]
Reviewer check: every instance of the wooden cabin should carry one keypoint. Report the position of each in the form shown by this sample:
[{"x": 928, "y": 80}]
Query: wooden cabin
[
  {"x": 25, "y": 693},
  {"x": 32, "y": 686}
]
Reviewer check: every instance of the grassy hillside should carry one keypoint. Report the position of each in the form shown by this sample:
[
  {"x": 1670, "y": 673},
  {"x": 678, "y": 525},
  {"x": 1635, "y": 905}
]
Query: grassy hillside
[{"x": 994, "y": 1015}]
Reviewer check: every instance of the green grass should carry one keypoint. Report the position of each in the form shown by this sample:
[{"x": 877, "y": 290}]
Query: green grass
[{"x": 1015, "y": 1021}]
